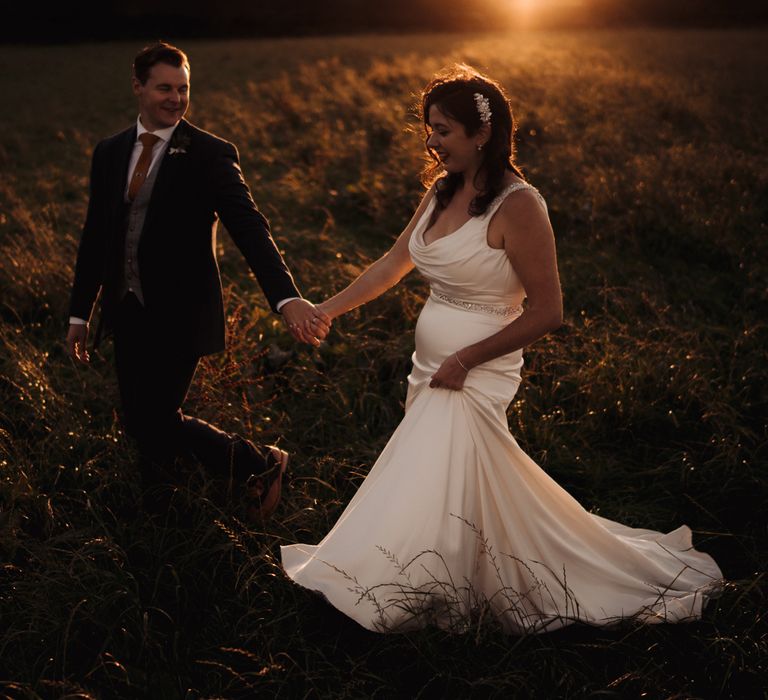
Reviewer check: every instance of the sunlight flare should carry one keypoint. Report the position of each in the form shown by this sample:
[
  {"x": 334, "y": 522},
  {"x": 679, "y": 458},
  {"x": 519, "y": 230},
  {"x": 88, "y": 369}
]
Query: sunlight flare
[{"x": 543, "y": 12}]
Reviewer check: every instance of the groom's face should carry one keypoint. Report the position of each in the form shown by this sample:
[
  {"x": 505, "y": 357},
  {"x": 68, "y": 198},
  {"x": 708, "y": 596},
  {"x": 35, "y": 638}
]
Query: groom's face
[{"x": 164, "y": 97}]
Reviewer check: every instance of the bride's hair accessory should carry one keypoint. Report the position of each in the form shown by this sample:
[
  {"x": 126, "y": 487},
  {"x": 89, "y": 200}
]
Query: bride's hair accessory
[{"x": 483, "y": 107}]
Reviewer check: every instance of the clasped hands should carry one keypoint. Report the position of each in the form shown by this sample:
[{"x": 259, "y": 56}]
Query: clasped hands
[{"x": 306, "y": 322}]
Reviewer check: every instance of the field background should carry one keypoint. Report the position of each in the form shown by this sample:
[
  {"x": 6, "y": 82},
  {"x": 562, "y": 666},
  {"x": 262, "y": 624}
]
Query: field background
[{"x": 648, "y": 405}]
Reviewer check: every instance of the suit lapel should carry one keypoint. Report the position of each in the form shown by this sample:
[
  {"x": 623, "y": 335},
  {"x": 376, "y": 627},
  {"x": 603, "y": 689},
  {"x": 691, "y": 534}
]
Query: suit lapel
[
  {"x": 169, "y": 168},
  {"x": 122, "y": 158}
]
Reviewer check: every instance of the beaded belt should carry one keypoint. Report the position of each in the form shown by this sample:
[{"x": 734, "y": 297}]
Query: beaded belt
[{"x": 495, "y": 309}]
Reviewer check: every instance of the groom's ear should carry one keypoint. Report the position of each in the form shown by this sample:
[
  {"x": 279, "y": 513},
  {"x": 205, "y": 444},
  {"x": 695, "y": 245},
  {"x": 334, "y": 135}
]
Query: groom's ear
[{"x": 136, "y": 85}]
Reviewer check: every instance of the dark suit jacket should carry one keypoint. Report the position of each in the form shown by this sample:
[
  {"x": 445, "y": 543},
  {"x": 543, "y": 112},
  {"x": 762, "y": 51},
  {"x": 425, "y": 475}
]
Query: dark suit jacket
[{"x": 177, "y": 263}]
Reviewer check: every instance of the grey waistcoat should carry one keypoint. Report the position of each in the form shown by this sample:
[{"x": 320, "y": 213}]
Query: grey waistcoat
[{"x": 135, "y": 213}]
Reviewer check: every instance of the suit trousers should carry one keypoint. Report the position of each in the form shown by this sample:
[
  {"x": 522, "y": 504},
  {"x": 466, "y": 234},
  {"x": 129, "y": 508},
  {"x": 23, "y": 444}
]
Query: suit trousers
[{"x": 154, "y": 373}]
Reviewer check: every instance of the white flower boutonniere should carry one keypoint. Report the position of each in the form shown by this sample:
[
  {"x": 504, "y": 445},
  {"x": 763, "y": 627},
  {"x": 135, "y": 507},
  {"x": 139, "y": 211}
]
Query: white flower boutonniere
[{"x": 178, "y": 144}]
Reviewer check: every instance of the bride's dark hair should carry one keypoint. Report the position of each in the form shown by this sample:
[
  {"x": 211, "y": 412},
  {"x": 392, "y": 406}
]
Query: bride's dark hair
[{"x": 453, "y": 91}]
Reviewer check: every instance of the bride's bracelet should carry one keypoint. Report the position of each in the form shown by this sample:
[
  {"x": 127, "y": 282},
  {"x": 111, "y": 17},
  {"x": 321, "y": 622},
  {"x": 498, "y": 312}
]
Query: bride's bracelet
[{"x": 461, "y": 364}]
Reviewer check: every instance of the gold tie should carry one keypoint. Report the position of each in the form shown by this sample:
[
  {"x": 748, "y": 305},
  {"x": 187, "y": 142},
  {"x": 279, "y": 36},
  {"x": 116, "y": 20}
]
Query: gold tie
[{"x": 148, "y": 142}]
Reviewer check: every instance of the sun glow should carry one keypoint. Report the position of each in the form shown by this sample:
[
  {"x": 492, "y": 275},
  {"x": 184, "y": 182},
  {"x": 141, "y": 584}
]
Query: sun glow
[{"x": 525, "y": 13}]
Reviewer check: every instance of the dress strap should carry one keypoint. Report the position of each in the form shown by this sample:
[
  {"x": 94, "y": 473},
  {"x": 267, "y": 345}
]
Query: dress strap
[{"x": 509, "y": 189}]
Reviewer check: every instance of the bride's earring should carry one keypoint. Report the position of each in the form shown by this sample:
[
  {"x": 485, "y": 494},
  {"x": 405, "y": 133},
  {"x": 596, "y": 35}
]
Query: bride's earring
[{"x": 479, "y": 146}]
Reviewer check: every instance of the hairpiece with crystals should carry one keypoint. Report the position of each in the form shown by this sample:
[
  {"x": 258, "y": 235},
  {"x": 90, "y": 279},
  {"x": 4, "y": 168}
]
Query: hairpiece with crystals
[{"x": 483, "y": 107}]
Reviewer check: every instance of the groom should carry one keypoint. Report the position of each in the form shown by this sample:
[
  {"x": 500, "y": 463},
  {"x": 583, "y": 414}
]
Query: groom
[{"x": 148, "y": 248}]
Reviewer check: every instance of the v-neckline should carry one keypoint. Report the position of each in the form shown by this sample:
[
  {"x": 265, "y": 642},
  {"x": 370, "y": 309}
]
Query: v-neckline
[
  {"x": 447, "y": 235},
  {"x": 503, "y": 193}
]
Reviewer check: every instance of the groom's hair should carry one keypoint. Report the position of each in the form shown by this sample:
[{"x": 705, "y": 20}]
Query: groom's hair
[{"x": 159, "y": 52}]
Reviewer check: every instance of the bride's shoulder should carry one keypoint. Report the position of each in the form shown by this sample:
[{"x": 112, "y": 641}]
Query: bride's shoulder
[
  {"x": 522, "y": 207},
  {"x": 521, "y": 219},
  {"x": 515, "y": 183},
  {"x": 517, "y": 193}
]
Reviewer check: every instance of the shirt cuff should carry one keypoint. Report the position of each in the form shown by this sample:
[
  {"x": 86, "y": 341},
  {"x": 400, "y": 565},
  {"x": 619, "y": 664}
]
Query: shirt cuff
[
  {"x": 75, "y": 321},
  {"x": 280, "y": 304}
]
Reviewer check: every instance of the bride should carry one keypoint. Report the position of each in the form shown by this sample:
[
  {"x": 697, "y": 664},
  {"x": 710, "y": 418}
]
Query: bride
[{"x": 454, "y": 519}]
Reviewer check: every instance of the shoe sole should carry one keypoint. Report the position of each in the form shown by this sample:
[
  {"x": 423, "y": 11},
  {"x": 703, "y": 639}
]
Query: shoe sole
[{"x": 272, "y": 498}]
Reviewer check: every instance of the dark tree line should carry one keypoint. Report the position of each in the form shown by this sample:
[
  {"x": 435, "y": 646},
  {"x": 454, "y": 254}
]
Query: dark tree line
[
  {"x": 107, "y": 19},
  {"x": 680, "y": 12}
]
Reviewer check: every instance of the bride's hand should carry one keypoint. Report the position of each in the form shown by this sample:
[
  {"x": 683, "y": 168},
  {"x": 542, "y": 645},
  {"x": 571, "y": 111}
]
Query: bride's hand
[
  {"x": 450, "y": 375},
  {"x": 306, "y": 323},
  {"x": 325, "y": 310}
]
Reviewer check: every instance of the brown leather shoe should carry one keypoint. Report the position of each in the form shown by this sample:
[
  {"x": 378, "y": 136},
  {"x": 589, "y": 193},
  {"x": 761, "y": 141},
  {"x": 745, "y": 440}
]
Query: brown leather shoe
[{"x": 263, "y": 490}]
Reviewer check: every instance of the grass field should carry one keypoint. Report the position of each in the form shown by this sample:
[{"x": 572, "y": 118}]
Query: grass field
[{"x": 648, "y": 405}]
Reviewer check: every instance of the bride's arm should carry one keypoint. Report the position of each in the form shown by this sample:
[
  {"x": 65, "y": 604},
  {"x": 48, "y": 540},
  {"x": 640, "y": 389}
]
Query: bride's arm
[
  {"x": 380, "y": 275},
  {"x": 529, "y": 243},
  {"x": 530, "y": 246}
]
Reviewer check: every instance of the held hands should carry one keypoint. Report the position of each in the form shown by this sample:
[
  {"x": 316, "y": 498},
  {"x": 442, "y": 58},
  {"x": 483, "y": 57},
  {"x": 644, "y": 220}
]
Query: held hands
[
  {"x": 77, "y": 340},
  {"x": 450, "y": 375},
  {"x": 306, "y": 322}
]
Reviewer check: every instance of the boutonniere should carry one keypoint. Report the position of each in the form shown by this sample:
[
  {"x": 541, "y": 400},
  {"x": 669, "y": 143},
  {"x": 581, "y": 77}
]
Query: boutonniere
[{"x": 179, "y": 143}]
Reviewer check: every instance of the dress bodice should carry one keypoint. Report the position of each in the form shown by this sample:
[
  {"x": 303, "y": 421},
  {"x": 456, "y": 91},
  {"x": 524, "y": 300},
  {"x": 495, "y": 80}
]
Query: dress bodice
[{"x": 462, "y": 265}]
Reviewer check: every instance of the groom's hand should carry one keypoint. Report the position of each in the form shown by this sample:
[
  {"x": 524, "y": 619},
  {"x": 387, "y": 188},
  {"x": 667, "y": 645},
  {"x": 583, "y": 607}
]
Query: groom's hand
[
  {"x": 77, "y": 341},
  {"x": 306, "y": 322}
]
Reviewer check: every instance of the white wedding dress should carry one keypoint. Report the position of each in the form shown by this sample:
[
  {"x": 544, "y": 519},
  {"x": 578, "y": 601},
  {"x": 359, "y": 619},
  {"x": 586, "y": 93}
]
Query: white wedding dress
[{"x": 455, "y": 521}]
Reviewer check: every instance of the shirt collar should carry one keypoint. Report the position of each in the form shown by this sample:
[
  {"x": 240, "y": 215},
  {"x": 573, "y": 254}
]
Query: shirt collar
[{"x": 163, "y": 134}]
